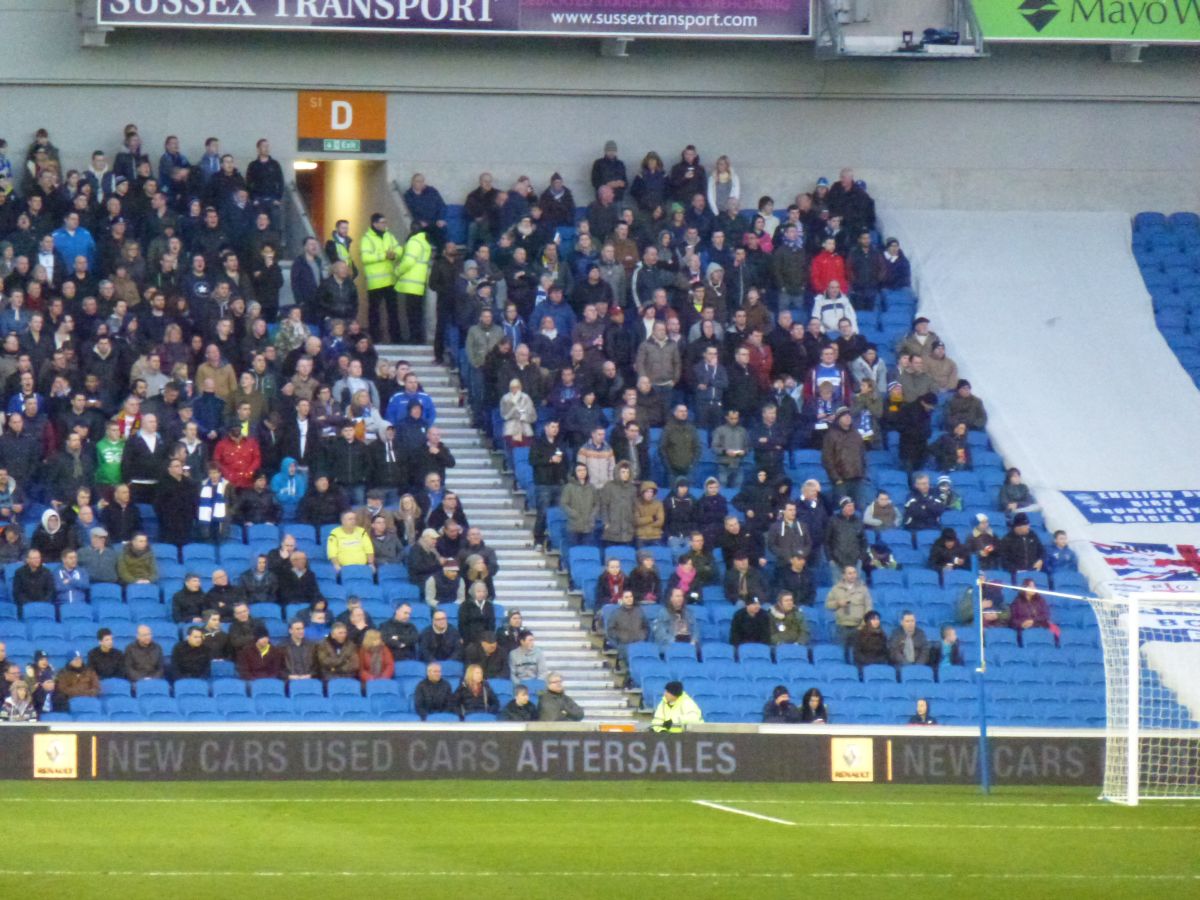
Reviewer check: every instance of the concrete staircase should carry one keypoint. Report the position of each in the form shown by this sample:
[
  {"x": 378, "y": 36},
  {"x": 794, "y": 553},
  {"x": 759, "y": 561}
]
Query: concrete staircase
[{"x": 528, "y": 579}]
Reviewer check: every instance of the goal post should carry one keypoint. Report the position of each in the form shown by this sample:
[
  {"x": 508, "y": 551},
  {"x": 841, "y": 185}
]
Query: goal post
[{"x": 1151, "y": 646}]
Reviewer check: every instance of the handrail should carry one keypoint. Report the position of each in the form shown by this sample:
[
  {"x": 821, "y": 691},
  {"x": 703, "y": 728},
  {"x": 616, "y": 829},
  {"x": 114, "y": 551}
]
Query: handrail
[
  {"x": 402, "y": 210},
  {"x": 299, "y": 220}
]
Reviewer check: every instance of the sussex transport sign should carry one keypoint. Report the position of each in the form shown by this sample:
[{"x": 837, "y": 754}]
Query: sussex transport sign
[
  {"x": 720, "y": 19},
  {"x": 1090, "y": 21}
]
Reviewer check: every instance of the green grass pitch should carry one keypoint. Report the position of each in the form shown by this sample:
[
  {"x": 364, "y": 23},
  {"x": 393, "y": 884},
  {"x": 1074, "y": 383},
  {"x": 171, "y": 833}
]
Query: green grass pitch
[{"x": 536, "y": 840}]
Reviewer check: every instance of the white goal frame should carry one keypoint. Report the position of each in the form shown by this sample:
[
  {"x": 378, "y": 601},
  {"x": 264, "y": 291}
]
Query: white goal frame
[{"x": 1125, "y": 736}]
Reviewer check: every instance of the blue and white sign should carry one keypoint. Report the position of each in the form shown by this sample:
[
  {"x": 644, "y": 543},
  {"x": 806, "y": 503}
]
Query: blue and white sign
[{"x": 1123, "y": 507}]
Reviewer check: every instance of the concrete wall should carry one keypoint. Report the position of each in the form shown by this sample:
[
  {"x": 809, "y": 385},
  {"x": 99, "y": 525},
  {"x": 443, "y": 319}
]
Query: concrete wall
[{"x": 1027, "y": 128}]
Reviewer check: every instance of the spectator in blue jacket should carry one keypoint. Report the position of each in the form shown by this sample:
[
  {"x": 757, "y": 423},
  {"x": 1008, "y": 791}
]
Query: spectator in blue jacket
[
  {"x": 397, "y": 408},
  {"x": 71, "y": 582},
  {"x": 425, "y": 205},
  {"x": 897, "y": 279},
  {"x": 1060, "y": 557},
  {"x": 554, "y": 307},
  {"x": 73, "y": 240}
]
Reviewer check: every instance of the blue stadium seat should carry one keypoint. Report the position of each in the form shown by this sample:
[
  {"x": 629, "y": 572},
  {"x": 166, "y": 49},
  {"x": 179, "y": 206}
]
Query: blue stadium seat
[
  {"x": 311, "y": 707},
  {"x": 199, "y": 708},
  {"x": 152, "y": 687},
  {"x": 354, "y": 708},
  {"x": 224, "y": 686},
  {"x": 187, "y": 687},
  {"x": 347, "y": 687},
  {"x": 158, "y": 708}
]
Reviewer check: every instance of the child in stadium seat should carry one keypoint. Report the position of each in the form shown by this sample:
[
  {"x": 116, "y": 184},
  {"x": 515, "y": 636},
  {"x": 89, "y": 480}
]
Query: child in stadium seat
[{"x": 1060, "y": 557}]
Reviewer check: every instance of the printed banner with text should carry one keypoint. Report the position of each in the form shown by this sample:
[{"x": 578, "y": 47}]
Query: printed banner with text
[
  {"x": 1142, "y": 507},
  {"x": 1098, "y": 21},
  {"x": 759, "y": 19}
]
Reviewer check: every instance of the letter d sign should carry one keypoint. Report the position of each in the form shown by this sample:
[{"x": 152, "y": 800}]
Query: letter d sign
[{"x": 341, "y": 115}]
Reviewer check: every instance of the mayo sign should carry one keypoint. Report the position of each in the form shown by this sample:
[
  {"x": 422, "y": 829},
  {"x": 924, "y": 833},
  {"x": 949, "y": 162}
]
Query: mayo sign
[
  {"x": 1107, "y": 21},
  {"x": 756, "y": 19}
]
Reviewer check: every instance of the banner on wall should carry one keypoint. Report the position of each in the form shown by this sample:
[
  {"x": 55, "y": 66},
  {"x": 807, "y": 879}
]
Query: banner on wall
[
  {"x": 1093, "y": 21},
  {"x": 1142, "y": 507},
  {"x": 1152, "y": 563},
  {"x": 723, "y": 19}
]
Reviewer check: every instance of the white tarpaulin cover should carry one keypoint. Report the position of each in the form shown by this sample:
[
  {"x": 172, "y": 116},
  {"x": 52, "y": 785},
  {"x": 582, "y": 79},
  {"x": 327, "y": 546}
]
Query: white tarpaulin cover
[{"x": 1047, "y": 315}]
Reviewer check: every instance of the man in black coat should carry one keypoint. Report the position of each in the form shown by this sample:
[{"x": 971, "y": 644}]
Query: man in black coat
[
  {"x": 347, "y": 464},
  {"x": 144, "y": 460},
  {"x": 548, "y": 456},
  {"x": 301, "y": 438},
  {"x": 751, "y": 624},
  {"x": 337, "y": 296},
  {"x": 385, "y": 461},
  {"x": 915, "y": 424},
  {"x": 432, "y": 694},
  {"x": 400, "y": 635},
  {"x": 434, "y": 456},
  {"x": 297, "y": 583},
  {"x": 190, "y": 658},
  {"x": 440, "y": 640},
  {"x": 32, "y": 582}
]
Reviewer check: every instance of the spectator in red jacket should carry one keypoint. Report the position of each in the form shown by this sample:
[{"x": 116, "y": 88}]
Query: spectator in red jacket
[
  {"x": 762, "y": 360},
  {"x": 375, "y": 661},
  {"x": 827, "y": 266},
  {"x": 261, "y": 659},
  {"x": 1030, "y": 610},
  {"x": 238, "y": 457}
]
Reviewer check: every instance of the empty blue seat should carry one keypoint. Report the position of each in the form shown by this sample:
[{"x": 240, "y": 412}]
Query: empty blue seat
[
  {"x": 262, "y": 687},
  {"x": 235, "y": 709},
  {"x": 75, "y": 612},
  {"x": 350, "y": 707},
  {"x": 444, "y": 718},
  {"x": 38, "y": 612},
  {"x": 199, "y": 708},
  {"x": 90, "y": 705},
  {"x": 152, "y": 687},
  {"x": 158, "y": 708},
  {"x": 268, "y": 706},
  {"x": 312, "y": 707},
  {"x": 348, "y": 687},
  {"x": 305, "y": 687},
  {"x": 120, "y": 704},
  {"x": 234, "y": 686},
  {"x": 187, "y": 687}
]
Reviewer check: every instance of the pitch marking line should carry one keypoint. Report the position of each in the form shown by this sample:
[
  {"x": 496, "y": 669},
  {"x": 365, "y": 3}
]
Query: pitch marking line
[
  {"x": 793, "y": 876},
  {"x": 741, "y": 812}
]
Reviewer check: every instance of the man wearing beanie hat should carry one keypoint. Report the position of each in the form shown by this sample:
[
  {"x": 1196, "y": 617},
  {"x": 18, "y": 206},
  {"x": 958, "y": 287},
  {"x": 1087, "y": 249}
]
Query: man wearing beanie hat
[
  {"x": 609, "y": 171},
  {"x": 966, "y": 407},
  {"x": 1021, "y": 549},
  {"x": 844, "y": 455},
  {"x": 261, "y": 659},
  {"x": 675, "y": 711},
  {"x": 941, "y": 368},
  {"x": 557, "y": 203}
]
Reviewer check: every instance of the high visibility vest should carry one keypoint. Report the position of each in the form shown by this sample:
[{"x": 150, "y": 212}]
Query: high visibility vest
[
  {"x": 378, "y": 269},
  {"x": 412, "y": 273}
]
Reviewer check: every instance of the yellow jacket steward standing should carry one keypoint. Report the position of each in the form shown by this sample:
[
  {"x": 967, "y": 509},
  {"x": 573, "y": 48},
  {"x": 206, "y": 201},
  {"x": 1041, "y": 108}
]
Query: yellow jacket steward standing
[
  {"x": 378, "y": 269},
  {"x": 675, "y": 711},
  {"x": 412, "y": 272}
]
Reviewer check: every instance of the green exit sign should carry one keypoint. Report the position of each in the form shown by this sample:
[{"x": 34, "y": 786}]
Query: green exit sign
[{"x": 335, "y": 145}]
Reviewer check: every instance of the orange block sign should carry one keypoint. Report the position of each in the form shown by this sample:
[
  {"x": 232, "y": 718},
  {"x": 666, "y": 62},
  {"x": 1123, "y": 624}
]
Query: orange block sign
[{"x": 341, "y": 122}]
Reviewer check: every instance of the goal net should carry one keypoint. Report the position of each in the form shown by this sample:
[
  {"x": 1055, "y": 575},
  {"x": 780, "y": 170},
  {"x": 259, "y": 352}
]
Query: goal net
[{"x": 1151, "y": 645}]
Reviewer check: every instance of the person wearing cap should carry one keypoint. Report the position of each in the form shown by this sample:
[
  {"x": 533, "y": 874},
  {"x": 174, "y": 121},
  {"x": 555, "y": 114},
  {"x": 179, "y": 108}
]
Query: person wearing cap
[
  {"x": 919, "y": 341},
  {"x": 260, "y": 658},
  {"x": 190, "y": 658},
  {"x": 965, "y": 407},
  {"x": 870, "y": 642},
  {"x": 485, "y": 653},
  {"x": 941, "y": 368},
  {"x": 915, "y": 425},
  {"x": 558, "y": 203},
  {"x": 846, "y": 538},
  {"x": 1021, "y": 550},
  {"x": 844, "y": 455},
  {"x": 687, "y": 177},
  {"x": 609, "y": 171},
  {"x": 446, "y": 585},
  {"x": 751, "y": 624},
  {"x": 676, "y": 711},
  {"x": 948, "y": 552}
]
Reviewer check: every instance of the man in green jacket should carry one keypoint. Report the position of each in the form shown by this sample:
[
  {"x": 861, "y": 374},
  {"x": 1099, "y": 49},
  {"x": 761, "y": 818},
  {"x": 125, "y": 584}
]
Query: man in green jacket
[
  {"x": 412, "y": 277},
  {"x": 380, "y": 250}
]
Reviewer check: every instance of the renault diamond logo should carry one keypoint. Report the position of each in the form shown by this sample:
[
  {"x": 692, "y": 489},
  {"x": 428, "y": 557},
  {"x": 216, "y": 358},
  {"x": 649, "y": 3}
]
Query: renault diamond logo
[
  {"x": 1039, "y": 13},
  {"x": 54, "y": 751},
  {"x": 850, "y": 755}
]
